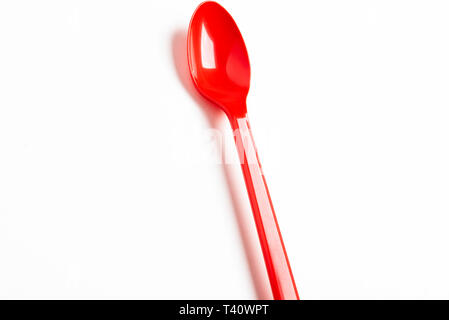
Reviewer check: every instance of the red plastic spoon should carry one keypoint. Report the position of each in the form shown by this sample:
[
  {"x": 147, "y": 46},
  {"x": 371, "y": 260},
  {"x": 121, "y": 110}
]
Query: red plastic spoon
[{"x": 219, "y": 67}]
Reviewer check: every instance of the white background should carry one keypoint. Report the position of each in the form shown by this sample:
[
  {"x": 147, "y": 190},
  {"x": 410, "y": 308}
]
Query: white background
[{"x": 108, "y": 183}]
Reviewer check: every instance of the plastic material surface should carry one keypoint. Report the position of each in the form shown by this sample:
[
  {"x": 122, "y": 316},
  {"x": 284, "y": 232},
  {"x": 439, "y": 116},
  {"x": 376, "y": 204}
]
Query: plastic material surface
[{"x": 220, "y": 69}]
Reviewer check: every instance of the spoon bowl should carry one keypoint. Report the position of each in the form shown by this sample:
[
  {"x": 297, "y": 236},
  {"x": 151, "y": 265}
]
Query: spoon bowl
[{"x": 218, "y": 59}]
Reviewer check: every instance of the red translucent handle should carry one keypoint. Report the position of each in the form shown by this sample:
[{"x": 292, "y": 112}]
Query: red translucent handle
[{"x": 276, "y": 260}]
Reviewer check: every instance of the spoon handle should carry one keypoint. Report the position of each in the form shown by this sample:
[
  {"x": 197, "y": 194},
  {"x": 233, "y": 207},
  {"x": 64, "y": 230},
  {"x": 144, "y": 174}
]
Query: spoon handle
[{"x": 276, "y": 260}]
